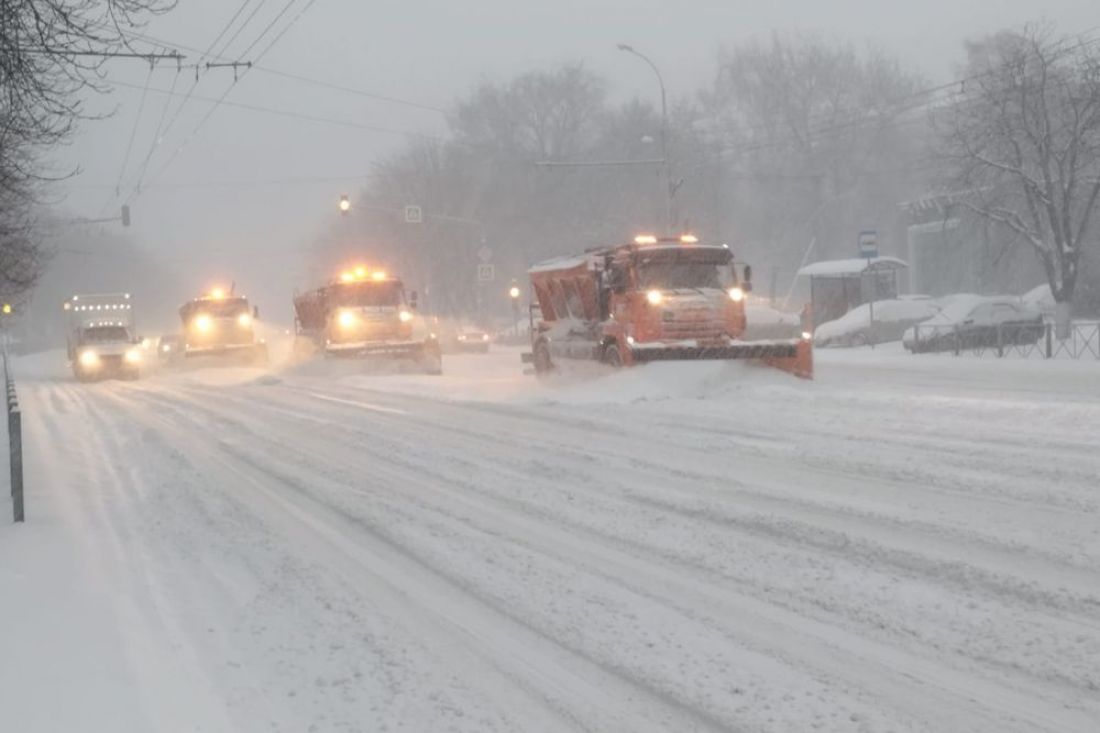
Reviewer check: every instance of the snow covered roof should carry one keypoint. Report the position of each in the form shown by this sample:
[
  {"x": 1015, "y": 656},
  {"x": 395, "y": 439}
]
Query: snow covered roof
[
  {"x": 561, "y": 263},
  {"x": 841, "y": 268}
]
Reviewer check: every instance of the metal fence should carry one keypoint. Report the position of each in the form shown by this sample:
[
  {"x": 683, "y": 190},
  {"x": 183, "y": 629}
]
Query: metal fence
[
  {"x": 1038, "y": 340},
  {"x": 15, "y": 442}
]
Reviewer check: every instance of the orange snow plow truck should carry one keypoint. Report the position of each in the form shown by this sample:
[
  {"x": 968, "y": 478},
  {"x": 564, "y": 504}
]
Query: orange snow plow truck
[{"x": 655, "y": 299}]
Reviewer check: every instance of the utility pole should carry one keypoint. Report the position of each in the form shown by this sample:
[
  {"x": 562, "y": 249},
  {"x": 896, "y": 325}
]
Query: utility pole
[{"x": 670, "y": 186}]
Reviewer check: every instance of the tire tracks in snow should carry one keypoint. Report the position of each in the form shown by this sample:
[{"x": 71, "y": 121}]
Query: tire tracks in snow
[
  {"x": 1002, "y": 700},
  {"x": 560, "y": 679}
]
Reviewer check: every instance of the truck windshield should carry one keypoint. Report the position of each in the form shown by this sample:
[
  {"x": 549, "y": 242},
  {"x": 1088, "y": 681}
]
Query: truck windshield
[
  {"x": 105, "y": 334},
  {"x": 224, "y": 308},
  {"x": 683, "y": 275},
  {"x": 368, "y": 294}
]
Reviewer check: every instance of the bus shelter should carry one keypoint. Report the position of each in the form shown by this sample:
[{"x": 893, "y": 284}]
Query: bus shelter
[{"x": 837, "y": 286}]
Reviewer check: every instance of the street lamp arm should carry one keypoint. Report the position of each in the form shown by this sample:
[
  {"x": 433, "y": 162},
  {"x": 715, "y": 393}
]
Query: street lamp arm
[
  {"x": 670, "y": 188},
  {"x": 643, "y": 57}
]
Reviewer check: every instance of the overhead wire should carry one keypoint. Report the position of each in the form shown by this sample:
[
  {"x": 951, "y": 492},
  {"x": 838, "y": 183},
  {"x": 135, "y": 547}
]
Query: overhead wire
[
  {"x": 157, "y": 132},
  {"x": 220, "y": 100},
  {"x": 857, "y": 115},
  {"x": 292, "y": 76},
  {"x": 269, "y": 26},
  {"x": 285, "y": 113},
  {"x": 157, "y": 135},
  {"x": 130, "y": 142},
  {"x": 227, "y": 44}
]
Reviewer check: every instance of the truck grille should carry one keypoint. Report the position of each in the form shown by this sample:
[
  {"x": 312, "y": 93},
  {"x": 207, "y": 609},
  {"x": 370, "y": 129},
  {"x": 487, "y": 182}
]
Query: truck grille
[{"x": 692, "y": 323}]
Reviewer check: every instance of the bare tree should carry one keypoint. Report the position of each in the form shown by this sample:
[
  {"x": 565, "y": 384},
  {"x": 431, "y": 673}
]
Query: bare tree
[
  {"x": 814, "y": 148},
  {"x": 1023, "y": 142},
  {"x": 50, "y": 51}
]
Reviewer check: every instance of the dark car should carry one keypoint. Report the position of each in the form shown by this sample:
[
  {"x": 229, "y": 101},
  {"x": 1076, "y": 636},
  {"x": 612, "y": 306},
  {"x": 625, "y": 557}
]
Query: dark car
[
  {"x": 170, "y": 348},
  {"x": 471, "y": 340},
  {"x": 976, "y": 322}
]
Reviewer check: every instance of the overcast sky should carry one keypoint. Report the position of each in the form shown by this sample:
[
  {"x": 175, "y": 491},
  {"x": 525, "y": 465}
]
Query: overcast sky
[{"x": 427, "y": 51}]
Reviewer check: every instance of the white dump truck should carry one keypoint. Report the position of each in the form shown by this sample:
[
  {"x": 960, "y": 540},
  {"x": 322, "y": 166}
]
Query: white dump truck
[{"x": 101, "y": 339}]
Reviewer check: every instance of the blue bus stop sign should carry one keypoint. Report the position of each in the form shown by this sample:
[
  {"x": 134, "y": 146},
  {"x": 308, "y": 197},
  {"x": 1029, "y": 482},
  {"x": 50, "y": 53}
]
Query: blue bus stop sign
[{"x": 868, "y": 244}]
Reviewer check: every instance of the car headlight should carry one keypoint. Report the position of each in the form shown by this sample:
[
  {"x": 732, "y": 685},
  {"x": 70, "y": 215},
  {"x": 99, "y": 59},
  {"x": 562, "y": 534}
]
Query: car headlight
[
  {"x": 484, "y": 337},
  {"x": 244, "y": 320},
  {"x": 654, "y": 297},
  {"x": 346, "y": 319},
  {"x": 736, "y": 294},
  {"x": 166, "y": 348},
  {"x": 133, "y": 356},
  {"x": 405, "y": 316},
  {"x": 89, "y": 358},
  {"x": 202, "y": 323}
]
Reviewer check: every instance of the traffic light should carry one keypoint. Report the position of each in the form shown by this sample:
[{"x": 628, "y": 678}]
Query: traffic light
[
  {"x": 7, "y": 309},
  {"x": 125, "y": 215},
  {"x": 345, "y": 204}
]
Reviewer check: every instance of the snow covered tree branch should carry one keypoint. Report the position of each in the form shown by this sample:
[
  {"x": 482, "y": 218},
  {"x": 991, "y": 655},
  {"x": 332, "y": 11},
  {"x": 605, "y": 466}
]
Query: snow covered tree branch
[{"x": 1023, "y": 138}]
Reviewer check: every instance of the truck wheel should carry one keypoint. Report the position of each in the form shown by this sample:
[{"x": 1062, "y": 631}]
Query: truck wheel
[
  {"x": 612, "y": 356},
  {"x": 541, "y": 359}
]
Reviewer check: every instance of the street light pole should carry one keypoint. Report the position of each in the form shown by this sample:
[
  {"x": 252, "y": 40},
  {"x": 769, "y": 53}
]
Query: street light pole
[
  {"x": 669, "y": 186},
  {"x": 513, "y": 293}
]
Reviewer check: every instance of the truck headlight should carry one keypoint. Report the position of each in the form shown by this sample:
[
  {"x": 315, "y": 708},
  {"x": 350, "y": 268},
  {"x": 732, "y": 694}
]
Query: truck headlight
[
  {"x": 202, "y": 323},
  {"x": 133, "y": 356},
  {"x": 405, "y": 316},
  {"x": 736, "y": 294},
  {"x": 346, "y": 319},
  {"x": 89, "y": 359},
  {"x": 654, "y": 297},
  {"x": 244, "y": 320}
]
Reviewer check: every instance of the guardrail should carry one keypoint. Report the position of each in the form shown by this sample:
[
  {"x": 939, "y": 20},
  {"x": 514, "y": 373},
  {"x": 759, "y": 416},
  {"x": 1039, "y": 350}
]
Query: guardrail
[
  {"x": 1082, "y": 341},
  {"x": 15, "y": 442}
]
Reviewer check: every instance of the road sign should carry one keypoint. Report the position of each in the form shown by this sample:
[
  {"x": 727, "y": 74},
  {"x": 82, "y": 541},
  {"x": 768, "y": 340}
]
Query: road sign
[
  {"x": 485, "y": 273},
  {"x": 485, "y": 254},
  {"x": 414, "y": 214},
  {"x": 868, "y": 243}
]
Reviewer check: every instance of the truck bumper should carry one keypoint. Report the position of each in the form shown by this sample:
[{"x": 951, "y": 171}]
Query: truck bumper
[
  {"x": 392, "y": 349},
  {"x": 783, "y": 349},
  {"x": 795, "y": 356},
  {"x": 221, "y": 349}
]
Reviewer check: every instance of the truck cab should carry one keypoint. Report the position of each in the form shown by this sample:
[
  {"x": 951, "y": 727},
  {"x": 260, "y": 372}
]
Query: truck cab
[
  {"x": 101, "y": 342},
  {"x": 673, "y": 295},
  {"x": 221, "y": 324},
  {"x": 364, "y": 313}
]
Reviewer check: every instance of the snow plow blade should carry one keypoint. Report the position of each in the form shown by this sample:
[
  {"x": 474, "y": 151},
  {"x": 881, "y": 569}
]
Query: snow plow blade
[{"x": 795, "y": 357}]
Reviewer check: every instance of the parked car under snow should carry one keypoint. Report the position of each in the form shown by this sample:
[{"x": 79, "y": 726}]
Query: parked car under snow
[
  {"x": 892, "y": 318},
  {"x": 968, "y": 322}
]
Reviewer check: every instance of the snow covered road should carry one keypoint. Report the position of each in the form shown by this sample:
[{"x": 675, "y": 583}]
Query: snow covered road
[{"x": 904, "y": 544}]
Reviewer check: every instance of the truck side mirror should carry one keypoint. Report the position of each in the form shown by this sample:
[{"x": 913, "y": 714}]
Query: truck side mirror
[
  {"x": 412, "y": 300},
  {"x": 616, "y": 280},
  {"x": 256, "y": 312},
  {"x": 747, "y": 285}
]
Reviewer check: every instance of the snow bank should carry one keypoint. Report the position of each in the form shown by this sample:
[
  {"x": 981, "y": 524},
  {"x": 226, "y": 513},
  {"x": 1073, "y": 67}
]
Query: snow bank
[{"x": 858, "y": 320}]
